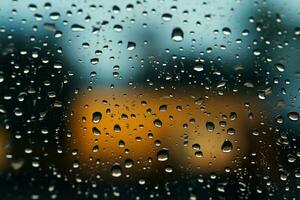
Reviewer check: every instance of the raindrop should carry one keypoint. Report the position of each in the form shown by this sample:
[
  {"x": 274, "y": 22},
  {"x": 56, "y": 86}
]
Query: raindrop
[
  {"x": 210, "y": 126},
  {"x": 94, "y": 61},
  {"x": 96, "y": 131},
  {"x": 116, "y": 170},
  {"x": 226, "y": 31},
  {"x": 163, "y": 108},
  {"x": 96, "y": 117},
  {"x": 118, "y": 28},
  {"x": 226, "y": 146},
  {"x": 177, "y": 34},
  {"x": 131, "y": 46},
  {"x": 54, "y": 15},
  {"x": 163, "y": 154},
  {"x": 198, "y": 68},
  {"x": 280, "y": 67},
  {"x": 294, "y": 116},
  {"x": 117, "y": 128},
  {"x": 166, "y": 17},
  {"x": 157, "y": 123},
  {"x": 77, "y": 28},
  {"x": 128, "y": 163}
]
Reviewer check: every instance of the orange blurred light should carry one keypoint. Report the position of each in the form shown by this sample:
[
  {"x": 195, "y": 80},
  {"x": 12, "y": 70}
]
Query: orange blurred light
[{"x": 136, "y": 124}]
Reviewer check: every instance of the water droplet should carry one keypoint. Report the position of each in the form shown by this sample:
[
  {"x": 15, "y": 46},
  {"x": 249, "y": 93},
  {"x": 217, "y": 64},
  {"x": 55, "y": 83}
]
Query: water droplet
[
  {"x": 166, "y": 17},
  {"x": 177, "y": 34},
  {"x": 198, "y": 154},
  {"x": 163, "y": 108},
  {"x": 261, "y": 95},
  {"x": 118, "y": 28},
  {"x": 231, "y": 131},
  {"x": 76, "y": 164},
  {"x": 117, "y": 128},
  {"x": 280, "y": 67},
  {"x": 95, "y": 148},
  {"x": 116, "y": 170},
  {"x": 94, "y": 61},
  {"x": 226, "y": 31},
  {"x": 210, "y": 126},
  {"x": 163, "y": 154},
  {"x": 294, "y": 116},
  {"x": 196, "y": 147},
  {"x": 157, "y": 123},
  {"x": 96, "y": 117},
  {"x": 96, "y": 131},
  {"x": 54, "y": 15},
  {"x": 198, "y": 68},
  {"x": 227, "y": 146},
  {"x": 128, "y": 163},
  {"x": 131, "y": 46},
  {"x": 77, "y": 28}
]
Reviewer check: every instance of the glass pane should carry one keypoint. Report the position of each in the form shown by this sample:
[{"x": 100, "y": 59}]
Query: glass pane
[{"x": 149, "y": 99}]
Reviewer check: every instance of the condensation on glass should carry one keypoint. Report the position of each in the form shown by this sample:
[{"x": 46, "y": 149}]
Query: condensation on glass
[{"x": 149, "y": 99}]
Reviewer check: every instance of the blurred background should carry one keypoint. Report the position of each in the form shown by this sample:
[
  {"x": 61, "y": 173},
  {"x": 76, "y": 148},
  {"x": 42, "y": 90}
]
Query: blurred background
[{"x": 149, "y": 99}]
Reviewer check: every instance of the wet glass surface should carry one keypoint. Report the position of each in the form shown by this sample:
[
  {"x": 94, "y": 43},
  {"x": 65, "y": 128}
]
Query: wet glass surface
[{"x": 149, "y": 99}]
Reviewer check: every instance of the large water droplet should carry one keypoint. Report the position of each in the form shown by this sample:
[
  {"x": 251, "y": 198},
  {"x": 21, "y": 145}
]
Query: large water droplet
[
  {"x": 131, "y": 46},
  {"x": 210, "y": 126},
  {"x": 166, "y": 16},
  {"x": 163, "y": 108},
  {"x": 177, "y": 34},
  {"x": 280, "y": 67},
  {"x": 226, "y": 31},
  {"x": 77, "y": 28},
  {"x": 227, "y": 146},
  {"x": 163, "y": 154},
  {"x": 294, "y": 116},
  {"x": 116, "y": 170},
  {"x": 96, "y": 117},
  {"x": 157, "y": 123}
]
